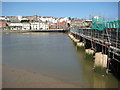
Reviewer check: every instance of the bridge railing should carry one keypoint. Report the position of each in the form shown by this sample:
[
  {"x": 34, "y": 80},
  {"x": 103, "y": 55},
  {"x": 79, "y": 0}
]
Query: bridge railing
[{"x": 110, "y": 36}]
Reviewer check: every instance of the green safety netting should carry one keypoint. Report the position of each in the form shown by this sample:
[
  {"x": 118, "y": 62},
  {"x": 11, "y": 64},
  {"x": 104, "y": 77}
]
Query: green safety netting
[
  {"x": 112, "y": 24},
  {"x": 98, "y": 23}
]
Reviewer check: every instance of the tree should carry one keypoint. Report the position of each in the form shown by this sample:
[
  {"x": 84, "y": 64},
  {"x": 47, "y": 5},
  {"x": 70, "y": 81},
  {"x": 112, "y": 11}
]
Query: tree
[
  {"x": 68, "y": 24},
  {"x": 46, "y": 21},
  {"x": 69, "y": 18}
]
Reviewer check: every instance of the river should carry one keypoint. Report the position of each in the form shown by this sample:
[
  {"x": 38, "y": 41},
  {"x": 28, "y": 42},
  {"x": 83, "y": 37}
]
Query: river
[{"x": 54, "y": 55}]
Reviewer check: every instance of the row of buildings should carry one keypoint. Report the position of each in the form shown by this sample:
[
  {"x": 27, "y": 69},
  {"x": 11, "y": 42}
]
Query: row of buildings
[
  {"x": 33, "y": 23},
  {"x": 28, "y": 26},
  {"x": 41, "y": 23}
]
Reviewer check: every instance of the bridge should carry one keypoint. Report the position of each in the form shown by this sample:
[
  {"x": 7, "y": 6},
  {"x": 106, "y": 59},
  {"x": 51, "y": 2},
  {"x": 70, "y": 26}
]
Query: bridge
[{"x": 103, "y": 41}]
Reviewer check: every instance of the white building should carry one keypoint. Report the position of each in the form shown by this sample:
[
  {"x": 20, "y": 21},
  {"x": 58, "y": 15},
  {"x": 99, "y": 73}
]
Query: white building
[
  {"x": 25, "y": 26},
  {"x": 19, "y": 26},
  {"x": 4, "y": 18},
  {"x": 20, "y": 18},
  {"x": 65, "y": 19},
  {"x": 34, "y": 26},
  {"x": 39, "y": 26},
  {"x": 44, "y": 26},
  {"x": 29, "y": 26},
  {"x": 15, "y": 26},
  {"x": 54, "y": 20},
  {"x": 49, "y": 19}
]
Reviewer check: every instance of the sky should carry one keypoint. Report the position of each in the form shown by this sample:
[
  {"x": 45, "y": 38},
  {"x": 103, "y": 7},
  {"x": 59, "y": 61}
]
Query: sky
[{"x": 60, "y": 9}]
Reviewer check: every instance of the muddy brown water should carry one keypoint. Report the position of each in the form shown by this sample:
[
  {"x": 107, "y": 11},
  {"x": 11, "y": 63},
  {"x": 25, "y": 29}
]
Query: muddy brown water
[{"x": 54, "y": 55}]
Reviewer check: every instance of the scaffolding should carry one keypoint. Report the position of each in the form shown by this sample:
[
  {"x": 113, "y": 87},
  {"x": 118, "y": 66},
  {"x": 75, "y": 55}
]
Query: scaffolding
[{"x": 106, "y": 33}]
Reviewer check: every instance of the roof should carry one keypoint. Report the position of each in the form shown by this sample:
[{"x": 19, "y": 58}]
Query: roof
[{"x": 89, "y": 20}]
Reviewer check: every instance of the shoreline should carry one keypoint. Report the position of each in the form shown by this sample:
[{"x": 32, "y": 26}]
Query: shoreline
[
  {"x": 28, "y": 31},
  {"x": 13, "y": 31},
  {"x": 13, "y": 77}
]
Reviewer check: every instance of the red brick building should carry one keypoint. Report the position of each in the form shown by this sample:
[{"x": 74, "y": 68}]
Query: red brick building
[
  {"x": 3, "y": 25},
  {"x": 58, "y": 25},
  {"x": 62, "y": 25},
  {"x": 53, "y": 26}
]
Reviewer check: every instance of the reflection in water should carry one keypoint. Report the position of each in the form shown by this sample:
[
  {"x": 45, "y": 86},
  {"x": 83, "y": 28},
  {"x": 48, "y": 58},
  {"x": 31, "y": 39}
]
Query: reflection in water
[
  {"x": 95, "y": 79},
  {"x": 55, "y": 55}
]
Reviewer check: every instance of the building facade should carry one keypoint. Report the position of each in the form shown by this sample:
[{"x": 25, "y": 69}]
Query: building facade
[
  {"x": 25, "y": 26},
  {"x": 19, "y": 26},
  {"x": 15, "y": 26},
  {"x": 39, "y": 26}
]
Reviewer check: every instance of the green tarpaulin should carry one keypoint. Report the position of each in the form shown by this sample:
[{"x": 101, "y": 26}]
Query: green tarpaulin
[{"x": 98, "y": 23}]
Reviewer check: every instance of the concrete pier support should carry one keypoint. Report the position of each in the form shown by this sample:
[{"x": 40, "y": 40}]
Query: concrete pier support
[
  {"x": 89, "y": 51},
  {"x": 101, "y": 59},
  {"x": 73, "y": 38},
  {"x": 80, "y": 44},
  {"x": 76, "y": 40}
]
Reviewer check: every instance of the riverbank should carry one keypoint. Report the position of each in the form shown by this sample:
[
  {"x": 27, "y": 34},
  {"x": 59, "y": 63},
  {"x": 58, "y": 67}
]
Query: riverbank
[
  {"x": 30, "y": 31},
  {"x": 13, "y": 31},
  {"x": 13, "y": 77}
]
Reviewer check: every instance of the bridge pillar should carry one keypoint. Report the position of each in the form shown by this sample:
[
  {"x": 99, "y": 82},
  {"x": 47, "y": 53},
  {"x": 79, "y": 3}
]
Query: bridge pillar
[
  {"x": 81, "y": 39},
  {"x": 101, "y": 59},
  {"x": 87, "y": 44},
  {"x": 98, "y": 47},
  {"x": 73, "y": 38},
  {"x": 76, "y": 40},
  {"x": 80, "y": 44},
  {"x": 89, "y": 51},
  {"x": 114, "y": 65},
  {"x": 88, "y": 47}
]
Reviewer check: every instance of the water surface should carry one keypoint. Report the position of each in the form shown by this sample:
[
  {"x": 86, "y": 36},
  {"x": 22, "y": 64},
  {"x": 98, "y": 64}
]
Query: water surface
[{"x": 54, "y": 55}]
